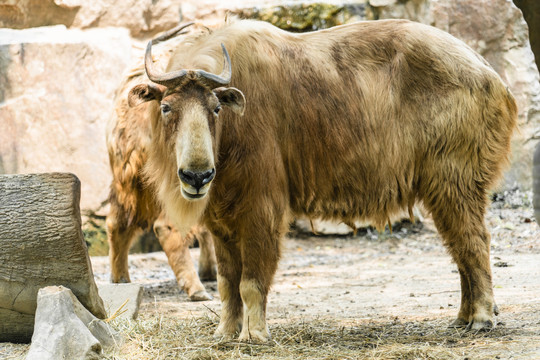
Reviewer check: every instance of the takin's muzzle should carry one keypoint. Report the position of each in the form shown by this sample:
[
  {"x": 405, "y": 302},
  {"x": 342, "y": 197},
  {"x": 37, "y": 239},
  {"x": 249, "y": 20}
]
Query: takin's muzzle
[{"x": 195, "y": 184}]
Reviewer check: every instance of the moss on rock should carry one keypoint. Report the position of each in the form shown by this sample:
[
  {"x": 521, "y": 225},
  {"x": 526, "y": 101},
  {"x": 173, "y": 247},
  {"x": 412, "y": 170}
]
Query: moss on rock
[
  {"x": 308, "y": 17},
  {"x": 95, "y": 236}
]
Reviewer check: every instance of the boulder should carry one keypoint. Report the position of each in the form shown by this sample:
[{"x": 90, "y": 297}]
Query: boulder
[
  {"x": 128, "y": 297},
  {"x": 143, "y": 18},
  {"x": 42, "y": 245},
  {"x": 324, "y": 227},
  {"x": 56, "y": 93},
  {"x": 64, "y": 329},
  {"x": 379, "y": 3},
  {"x": 21, "y": 14},
  {"x": 536, "y": 183}
]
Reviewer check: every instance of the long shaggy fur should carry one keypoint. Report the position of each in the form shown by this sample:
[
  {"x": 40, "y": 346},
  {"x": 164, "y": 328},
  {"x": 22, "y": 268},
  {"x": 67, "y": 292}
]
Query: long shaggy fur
[
  {"x": 133, "y": 205},
  {"x": 357, "y": 122}
]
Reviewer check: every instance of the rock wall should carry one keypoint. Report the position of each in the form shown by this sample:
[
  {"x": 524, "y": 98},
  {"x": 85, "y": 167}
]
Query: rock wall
[
  {"x": 57, "y": 83},
  {"x": 56, "y": 94},
  {"x": 143, "y": 18}
]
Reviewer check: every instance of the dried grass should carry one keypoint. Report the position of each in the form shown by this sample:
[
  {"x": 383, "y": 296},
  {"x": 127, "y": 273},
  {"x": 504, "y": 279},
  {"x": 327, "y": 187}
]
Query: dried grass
[
  {"x": 118, "y": 312},
  {"x": 168, "y": 337},
  {"x": 9, "y": 351}
]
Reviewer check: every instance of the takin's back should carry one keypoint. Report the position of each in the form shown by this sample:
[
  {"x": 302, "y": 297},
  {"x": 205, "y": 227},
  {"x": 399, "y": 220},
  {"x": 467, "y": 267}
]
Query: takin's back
[{"x": 360, "y": 120}]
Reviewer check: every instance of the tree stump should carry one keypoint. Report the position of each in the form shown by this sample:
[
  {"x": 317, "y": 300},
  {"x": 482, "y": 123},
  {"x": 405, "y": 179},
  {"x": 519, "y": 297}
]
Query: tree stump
[{"x": 41, "y": 244}]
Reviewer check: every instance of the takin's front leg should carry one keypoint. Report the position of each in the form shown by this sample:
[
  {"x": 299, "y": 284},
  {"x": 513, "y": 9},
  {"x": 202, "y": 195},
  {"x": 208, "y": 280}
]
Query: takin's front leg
[
  {"x": 177, "y": 250},
  {"x": 260, "y": 255},
  {"x": 228, "y": 280}
]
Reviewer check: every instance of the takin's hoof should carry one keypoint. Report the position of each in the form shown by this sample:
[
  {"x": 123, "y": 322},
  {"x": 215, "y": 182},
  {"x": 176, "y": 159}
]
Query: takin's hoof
[
  {"x": 208, "y": 275},
  {"x": 120, "y": 280},
  {"x": 219, "y": 337},
  {"x": 486, "y": 325},
  {"x": 201, "y": 295},
  {"x": 255, "y": 336},
  {"x": 458, "y": 324}
]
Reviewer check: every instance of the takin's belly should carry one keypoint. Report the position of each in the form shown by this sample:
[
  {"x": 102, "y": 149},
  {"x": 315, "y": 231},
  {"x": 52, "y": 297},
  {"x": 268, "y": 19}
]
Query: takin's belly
[{"x": 367, "y": 202}]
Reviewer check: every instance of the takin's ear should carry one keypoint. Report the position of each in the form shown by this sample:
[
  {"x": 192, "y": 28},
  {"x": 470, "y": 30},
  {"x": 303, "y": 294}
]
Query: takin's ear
[
  {"x": 145, "y": 92},
  {"x": 231, "y": 97}
]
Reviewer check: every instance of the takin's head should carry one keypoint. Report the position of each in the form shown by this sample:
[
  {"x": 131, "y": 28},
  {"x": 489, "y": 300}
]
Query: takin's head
[{"x": 190, "y": 102}]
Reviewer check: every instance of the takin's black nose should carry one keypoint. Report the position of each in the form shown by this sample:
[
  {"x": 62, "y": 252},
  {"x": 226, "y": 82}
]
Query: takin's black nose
[{"x": 196, "y": 179}]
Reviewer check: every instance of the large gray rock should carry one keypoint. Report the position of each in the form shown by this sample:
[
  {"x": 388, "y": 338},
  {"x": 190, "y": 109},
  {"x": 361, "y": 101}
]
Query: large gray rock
[
  {"x": 64, "y": 329},
  {"x": 56, "y": 94},
  {"x": 143, "y": 18},
  {"x": 41, "y": 244},
  {"x": 126, "y": 297},
  {"x": 20, "y": 14}
]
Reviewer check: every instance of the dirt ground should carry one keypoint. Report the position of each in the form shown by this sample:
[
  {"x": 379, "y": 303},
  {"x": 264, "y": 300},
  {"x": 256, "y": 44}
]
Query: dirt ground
[{"x": 382, "y": 296}]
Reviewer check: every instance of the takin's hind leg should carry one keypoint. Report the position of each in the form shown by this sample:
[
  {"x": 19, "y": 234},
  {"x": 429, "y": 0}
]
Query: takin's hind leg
[
  {"x": 176, "y": 248},
  {"x": 466, "y": 300},
  {"x": 207, "y": 258},
  {"x": 120, "y": 238},
  {"x": 460, "y": 222}
]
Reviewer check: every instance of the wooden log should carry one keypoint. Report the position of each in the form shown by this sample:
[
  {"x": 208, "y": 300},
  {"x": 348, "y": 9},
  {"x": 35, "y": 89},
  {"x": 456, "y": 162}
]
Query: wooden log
[{"x": 41, "y": 244}]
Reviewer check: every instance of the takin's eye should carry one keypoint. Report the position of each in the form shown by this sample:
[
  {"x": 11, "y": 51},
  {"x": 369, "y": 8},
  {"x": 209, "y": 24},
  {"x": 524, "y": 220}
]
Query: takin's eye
[
  {"x": 165, "y": 109},
  {"x": 217, "y": 109}
]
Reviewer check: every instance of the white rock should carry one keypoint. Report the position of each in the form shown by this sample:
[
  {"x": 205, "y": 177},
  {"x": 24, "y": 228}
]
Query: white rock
[
  {"x": 380, "y": 3},
  {"x": 64, "y": 329},
  {"x": 114, "y": 295},
  {"x": 323, "y": 227}
]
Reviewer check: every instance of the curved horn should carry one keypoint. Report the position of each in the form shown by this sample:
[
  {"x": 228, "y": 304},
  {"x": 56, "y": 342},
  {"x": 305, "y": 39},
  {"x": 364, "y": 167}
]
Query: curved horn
[
  {"x": 171, "y": 33},
  {"x": 151, "y": 72},
  {"x": 171, "y": 78},
  {"x": 155, "y": 75},
  {"x": 224, "y": 78}
]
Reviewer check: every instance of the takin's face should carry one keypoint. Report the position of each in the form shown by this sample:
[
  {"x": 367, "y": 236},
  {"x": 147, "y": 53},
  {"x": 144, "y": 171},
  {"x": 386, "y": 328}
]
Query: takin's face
[{"x": 187, "y": 125}]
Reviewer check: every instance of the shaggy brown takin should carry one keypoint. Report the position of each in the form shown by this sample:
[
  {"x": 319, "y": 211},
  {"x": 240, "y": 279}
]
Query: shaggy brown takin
[
  {"x": 355, "y": 122},
  {"x": 133, "y": 205}
]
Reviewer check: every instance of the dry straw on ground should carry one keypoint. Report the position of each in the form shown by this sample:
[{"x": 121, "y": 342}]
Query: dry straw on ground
[{"x": 156, "y": 336}]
